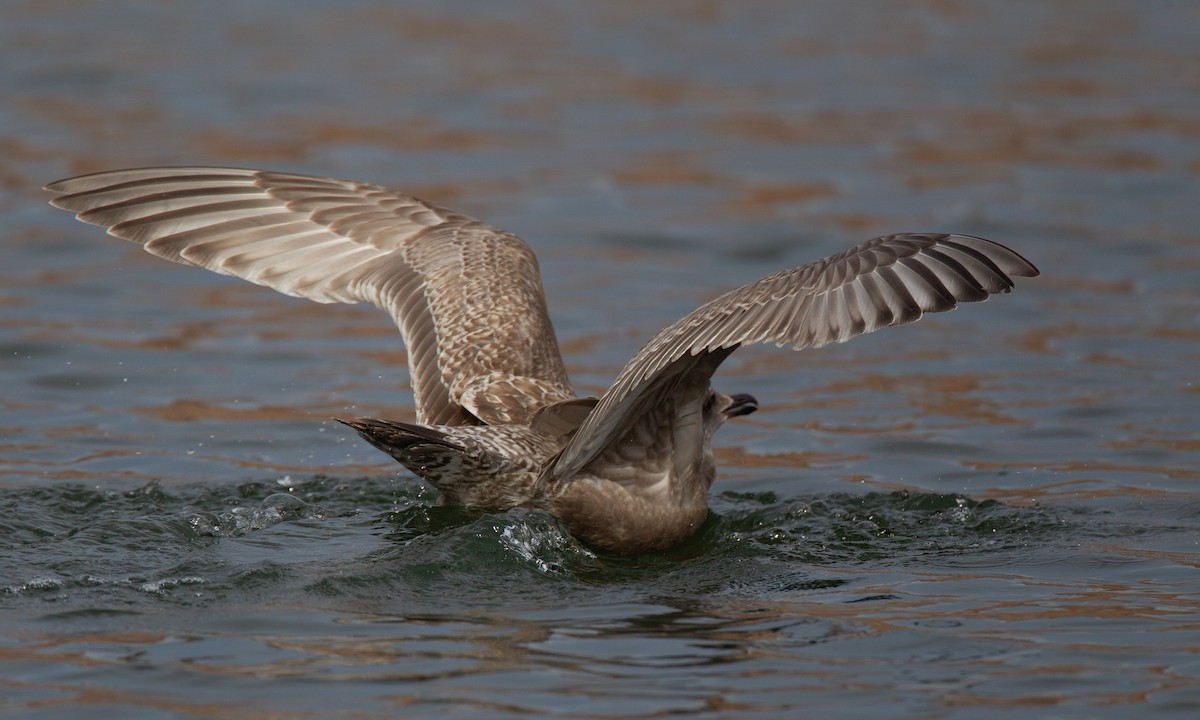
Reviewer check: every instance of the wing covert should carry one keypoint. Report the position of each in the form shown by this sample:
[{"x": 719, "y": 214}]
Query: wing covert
[
  {"x": 466, "y": 296},
  {"x": 890, "y": 280}
]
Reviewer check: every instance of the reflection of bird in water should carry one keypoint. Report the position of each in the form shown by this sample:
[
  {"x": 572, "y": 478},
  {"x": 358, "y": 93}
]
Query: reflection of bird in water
[{"x": 499, "y": 425}]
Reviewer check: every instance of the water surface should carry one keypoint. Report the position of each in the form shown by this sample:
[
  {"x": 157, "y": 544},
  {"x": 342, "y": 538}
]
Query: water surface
[{"x": 991, "y": 511}]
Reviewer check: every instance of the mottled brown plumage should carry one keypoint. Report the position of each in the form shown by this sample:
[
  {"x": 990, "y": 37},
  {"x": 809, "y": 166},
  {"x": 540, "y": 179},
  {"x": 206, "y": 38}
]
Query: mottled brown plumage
[{"x": 498, "y": 424}]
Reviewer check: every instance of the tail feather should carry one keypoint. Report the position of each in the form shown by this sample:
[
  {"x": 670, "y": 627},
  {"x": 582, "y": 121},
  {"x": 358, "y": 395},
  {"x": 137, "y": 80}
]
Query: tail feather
[
  {"x": 425, "y": 451},
  {"x": 464, "y": 472}
]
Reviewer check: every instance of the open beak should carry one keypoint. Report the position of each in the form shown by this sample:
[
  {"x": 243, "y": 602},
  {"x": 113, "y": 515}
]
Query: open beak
[{"x": 740, "y": 404}]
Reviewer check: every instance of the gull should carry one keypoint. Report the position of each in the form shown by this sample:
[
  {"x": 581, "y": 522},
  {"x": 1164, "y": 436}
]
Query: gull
[{"x": 498, "y": 423}]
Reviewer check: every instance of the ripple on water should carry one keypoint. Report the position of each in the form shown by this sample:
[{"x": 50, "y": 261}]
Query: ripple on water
[
  {"x": 385, "y": 538},
  {"x": 85, "y": 544},
  {"x": 897, "y": 527},
  {"x": 816, "y": 580}
]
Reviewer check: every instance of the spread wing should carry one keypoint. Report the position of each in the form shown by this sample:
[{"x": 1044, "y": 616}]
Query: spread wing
[
  {"x": 466, "y": 296},
  {"x": 890, "y": 280}
]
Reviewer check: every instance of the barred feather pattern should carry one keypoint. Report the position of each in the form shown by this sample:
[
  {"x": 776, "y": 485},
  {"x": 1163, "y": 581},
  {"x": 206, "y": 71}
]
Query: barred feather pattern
[
  {"x": 891, "y": 280},
  {"x": 466, "y": 296}
]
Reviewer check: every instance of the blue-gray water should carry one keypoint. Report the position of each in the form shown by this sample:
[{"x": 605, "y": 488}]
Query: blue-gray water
[{"x": 990, "y": 512}]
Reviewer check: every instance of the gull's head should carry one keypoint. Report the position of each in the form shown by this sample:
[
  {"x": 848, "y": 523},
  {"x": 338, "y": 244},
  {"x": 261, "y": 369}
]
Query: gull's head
[{"x": 719, "y": 407}]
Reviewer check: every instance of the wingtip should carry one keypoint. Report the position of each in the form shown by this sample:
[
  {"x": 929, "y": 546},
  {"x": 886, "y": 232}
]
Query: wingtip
[
  {"x": 58, "y": 202},
  {"x": 56, "y": 188},
  {"x": 1018, "y": 265}
]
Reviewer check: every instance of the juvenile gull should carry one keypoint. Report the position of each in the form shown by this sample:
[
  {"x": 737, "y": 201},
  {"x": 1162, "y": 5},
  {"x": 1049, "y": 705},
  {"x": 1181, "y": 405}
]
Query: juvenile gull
[{"x": 498, "y": 424}]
